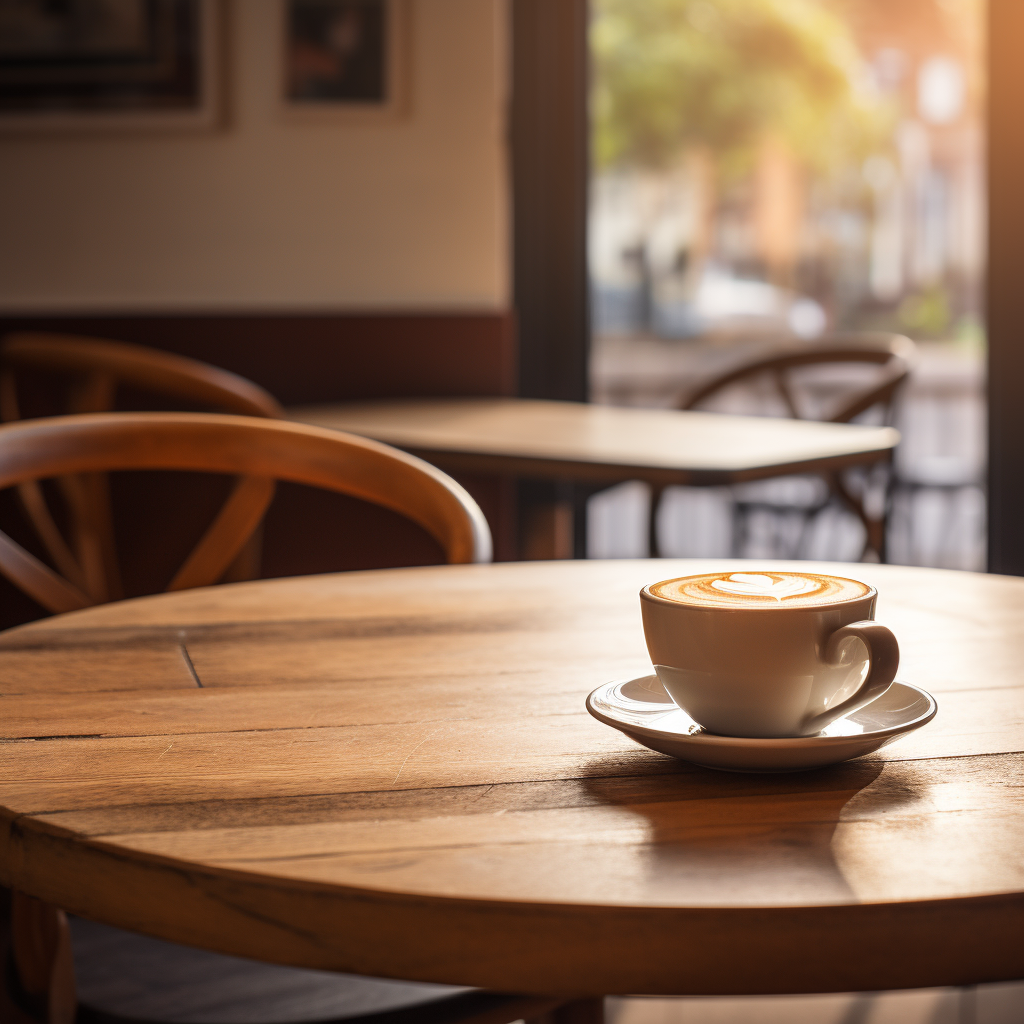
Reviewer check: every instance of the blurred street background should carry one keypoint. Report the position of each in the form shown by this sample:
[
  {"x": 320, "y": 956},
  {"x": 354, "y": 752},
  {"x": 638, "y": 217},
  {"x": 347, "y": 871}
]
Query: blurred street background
[{"x": 789, "y": 169}]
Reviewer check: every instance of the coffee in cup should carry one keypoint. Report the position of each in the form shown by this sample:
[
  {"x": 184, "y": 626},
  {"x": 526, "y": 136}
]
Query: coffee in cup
[{"x": 767, "y": 654}]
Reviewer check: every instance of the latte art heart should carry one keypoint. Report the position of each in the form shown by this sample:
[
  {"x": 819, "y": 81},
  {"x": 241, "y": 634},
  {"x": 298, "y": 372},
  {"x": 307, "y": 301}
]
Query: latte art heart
[
  {"x": 757, "y": 585},
  {"x": 760, "y": 590}
]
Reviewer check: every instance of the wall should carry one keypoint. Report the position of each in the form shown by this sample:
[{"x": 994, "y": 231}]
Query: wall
[{"x": 271, "y": 214}]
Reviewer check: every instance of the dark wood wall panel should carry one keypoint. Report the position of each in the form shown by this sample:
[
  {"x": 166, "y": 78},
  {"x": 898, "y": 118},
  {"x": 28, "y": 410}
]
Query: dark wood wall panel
[{"x": 325, "y": 358}]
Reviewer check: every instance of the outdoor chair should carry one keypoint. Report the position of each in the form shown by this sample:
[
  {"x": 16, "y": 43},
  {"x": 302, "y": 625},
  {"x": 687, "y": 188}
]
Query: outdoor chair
[{"x": 781, "y": 380}]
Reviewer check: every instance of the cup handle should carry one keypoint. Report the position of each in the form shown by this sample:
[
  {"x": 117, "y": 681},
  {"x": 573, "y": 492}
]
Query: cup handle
[{"x": 883, "y": 660}]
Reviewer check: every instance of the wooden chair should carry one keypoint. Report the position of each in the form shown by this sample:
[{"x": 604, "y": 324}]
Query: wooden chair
[
  {"x": 258, "y": 451},
  {"x": 95, "y": 368},
  {"x": 893, "y": 354}
]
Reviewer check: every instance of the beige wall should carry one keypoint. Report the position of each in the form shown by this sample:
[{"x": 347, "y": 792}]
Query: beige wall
[{"x": 270, "y": 214}]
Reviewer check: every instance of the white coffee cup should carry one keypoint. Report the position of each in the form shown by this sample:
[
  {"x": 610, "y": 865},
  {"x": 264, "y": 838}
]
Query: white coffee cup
[{"x": 767, "y": 654}]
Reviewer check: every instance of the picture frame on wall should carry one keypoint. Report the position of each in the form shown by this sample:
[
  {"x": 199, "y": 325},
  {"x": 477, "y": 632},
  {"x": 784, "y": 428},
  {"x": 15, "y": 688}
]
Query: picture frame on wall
[
  {"x": 345, "y": 59},
  {"x": 109, "y": 65}
]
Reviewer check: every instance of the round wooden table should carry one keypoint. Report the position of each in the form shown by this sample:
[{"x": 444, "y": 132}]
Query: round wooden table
[{"x": 392, "y": 773}]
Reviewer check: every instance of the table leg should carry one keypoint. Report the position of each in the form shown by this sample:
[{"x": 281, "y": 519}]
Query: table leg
[
  {"x": 548, "y": 532},
  {"x": 41, "y": 948},
  {"x": 653, "y": 547},
  {"x": 578, "y": 1011},
  {"x": 553, "y": 518}
]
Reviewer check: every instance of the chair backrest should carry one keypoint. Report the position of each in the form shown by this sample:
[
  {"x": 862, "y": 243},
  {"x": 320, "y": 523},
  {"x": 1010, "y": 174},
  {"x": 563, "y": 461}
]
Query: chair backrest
[
  {"x": 102, "y": 365},
  {"x": 260, "y": 450},
  {"x": 893, "y": 353},
  {"x": 97, "y": 367}
]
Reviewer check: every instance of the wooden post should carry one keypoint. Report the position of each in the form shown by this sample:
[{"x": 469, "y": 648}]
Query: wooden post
[{"x": 1005, "y": 295}]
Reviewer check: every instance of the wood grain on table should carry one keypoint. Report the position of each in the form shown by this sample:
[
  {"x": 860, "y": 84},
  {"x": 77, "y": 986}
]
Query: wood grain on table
[{"x": 393, "y": 773}]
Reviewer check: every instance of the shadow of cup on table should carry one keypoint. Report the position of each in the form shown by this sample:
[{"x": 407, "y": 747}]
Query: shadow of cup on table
[{"x": 718, "y": 838}]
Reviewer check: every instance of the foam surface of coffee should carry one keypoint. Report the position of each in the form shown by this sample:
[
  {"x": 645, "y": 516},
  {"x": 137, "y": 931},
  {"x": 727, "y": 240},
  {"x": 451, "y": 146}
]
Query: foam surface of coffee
[{"x": 760, "y": 590}]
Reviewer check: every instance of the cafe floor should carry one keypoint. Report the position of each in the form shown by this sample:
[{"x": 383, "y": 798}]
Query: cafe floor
[{"x": 983, "y": 1004}]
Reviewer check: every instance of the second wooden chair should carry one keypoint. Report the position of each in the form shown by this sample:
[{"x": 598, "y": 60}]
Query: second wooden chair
[{"x": 93, "y": 371}]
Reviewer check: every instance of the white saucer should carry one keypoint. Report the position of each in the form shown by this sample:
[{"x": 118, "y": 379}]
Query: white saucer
[{"x": 644, "y": 711}]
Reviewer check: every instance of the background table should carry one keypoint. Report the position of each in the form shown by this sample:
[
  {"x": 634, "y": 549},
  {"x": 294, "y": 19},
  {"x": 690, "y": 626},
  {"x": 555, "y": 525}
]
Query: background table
[
  {"x": 392, "y": 773},
  {"x": 604, "y": 445},
  {"x": 577, "y": 441}
]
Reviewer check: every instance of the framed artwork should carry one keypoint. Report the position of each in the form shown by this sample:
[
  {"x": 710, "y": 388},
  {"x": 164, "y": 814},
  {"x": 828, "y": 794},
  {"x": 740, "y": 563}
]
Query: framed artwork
[
  {"x": 345, "y": 58},
  {"x": 124, "y": 64}
]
